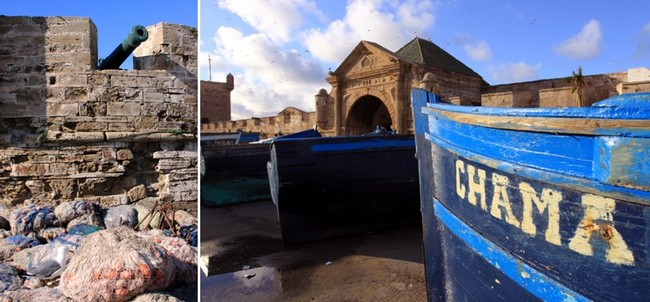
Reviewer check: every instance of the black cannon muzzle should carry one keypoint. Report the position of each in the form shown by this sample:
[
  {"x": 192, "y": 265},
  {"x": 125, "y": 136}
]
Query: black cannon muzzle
[{"x": 137, "y": 35}]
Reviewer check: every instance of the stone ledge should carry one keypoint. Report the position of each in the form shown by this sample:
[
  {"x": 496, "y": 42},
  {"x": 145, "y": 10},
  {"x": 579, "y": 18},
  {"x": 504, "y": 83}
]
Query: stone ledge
[
  {"x": 94, "y": 137},
  {"x": 174, "y": 154}
]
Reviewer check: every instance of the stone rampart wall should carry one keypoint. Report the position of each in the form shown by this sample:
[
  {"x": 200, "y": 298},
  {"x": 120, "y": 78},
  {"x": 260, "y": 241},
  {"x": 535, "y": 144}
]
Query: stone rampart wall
[
  {"x": 287, "y": 123},
  {"x": 71, "y": 132}
]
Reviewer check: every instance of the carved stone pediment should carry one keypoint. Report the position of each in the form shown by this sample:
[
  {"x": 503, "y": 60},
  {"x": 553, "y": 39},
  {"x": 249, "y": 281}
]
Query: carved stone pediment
[{"x": 367, "y": 59}]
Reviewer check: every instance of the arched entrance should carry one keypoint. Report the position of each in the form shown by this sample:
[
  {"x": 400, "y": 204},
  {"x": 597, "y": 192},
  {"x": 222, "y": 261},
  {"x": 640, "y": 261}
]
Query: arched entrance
[{"x": 366, "y": 114}]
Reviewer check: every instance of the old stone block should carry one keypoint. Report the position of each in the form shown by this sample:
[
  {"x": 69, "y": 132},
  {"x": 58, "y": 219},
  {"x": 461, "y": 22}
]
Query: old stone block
[
  {"x": 69, "y": 38},
  {"x": 56, "y": 93},
  {"x": 94, "y": 186},
  {"x": 37, "y": 189},
  {"x": 69, "y": 158},
  {"x": 174, "y": 154},
  {"x": 98, "y": 79},
  {"x": 165, "y": 154},
  {"x": 76, "y": 136},
  {"x": 93, "y": 109},
  {"x": 91, "y": 126},
  {"x": 51, "y": 169},
  {"x": 29, "y": 94},
  {"x": 153, "y": 97},
  {"x": 184, "y": 218},
  {"x": 43, "y": 159},
  {"x": 173, "y": 163},
  {"x": 124, "y": 154},
  {"x": 68, "y": 109},
  {"x": 186, "y": 185},
  {"x": 190, "y": 100},
  {"x": 121, "y": 127},
  {"x": 63, "y": 188},
  {"x": 182, "y": 174},
  {"x": 185, "y": 196},
  {"x": 130, "y": 94},
  {"x": 123, "y": 108},
  {"x": 108, "y": 154},
  {"x": 113, "y": 200},
  {"x": 146, "y": 123},
  {"x": 103, "y": 94},
  {"x": 76, "y": 94},
  {"x": 137, "y": 193},
  {"x": 28, "y": 169},
  {"x": 60, "y": 169}
]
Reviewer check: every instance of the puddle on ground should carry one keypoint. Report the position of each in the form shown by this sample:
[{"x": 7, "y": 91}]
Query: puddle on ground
[
  {"x": 235, "y": 253},
  {"x": 255, "y": 284}
]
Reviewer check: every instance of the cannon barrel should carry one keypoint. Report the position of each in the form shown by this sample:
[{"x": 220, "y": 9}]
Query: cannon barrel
[{"x": 137, "y": 35}]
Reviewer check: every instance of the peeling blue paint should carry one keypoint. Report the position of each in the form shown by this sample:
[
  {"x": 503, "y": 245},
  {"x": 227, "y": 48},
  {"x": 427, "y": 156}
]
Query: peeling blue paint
[{"x": 535, "y": 282}]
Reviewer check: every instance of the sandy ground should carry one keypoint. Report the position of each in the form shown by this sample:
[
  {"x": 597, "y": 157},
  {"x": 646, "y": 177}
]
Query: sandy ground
[{"x": 243, "y": 254}]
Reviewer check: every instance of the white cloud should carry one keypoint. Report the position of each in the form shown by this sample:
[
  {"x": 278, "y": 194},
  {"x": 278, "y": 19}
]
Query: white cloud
[
  {"x": 273, "y": 71},
  {"x": 513, "y": 72},
  {"x": 479, "y": 51},
  {"x": 585, "y": 44},
  {"x": 267, "y": 78},
  {"x": 371, "y": 20},
  {"x": 277, "y": 18},
  {"x": 643, "y": 46}
]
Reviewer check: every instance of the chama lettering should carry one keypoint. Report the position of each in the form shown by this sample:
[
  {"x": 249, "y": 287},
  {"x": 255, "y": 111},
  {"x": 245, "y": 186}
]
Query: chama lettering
[{"x": 597, "y": 219}]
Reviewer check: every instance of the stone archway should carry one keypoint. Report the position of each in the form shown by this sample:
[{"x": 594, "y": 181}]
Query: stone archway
[{"x": 366, "y": 114}]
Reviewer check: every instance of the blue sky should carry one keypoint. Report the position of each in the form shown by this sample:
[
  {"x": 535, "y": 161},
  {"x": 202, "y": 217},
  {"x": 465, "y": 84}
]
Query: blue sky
[
  {"x": 113, "y": 19},
  {"x": 280, "y": 50}
]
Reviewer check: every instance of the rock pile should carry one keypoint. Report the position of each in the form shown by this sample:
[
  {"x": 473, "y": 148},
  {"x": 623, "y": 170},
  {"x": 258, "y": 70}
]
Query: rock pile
[{"x": 107, "y": 260}]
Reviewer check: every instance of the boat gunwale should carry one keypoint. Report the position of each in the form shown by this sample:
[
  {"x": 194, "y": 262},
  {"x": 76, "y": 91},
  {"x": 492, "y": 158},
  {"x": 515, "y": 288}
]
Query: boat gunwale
[{"x": 577, "y": 125}]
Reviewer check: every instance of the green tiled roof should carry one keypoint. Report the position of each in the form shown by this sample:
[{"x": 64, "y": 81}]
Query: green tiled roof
[{"x": 425, "y": 52}]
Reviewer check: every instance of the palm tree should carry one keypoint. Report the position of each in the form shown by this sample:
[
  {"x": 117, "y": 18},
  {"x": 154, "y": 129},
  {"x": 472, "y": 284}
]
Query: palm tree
[{"x": 578, "y": 83}]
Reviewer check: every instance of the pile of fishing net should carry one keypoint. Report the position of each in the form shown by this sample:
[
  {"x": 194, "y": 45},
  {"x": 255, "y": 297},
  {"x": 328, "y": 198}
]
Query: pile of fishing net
[
  {"x": 13, "y": 244},
  {"x": 116, "y": 265},
  {"x": 185, "y": 256},
  {"x": 41, "y": 294},
  {"x": 72, "y": 213},
  {"x": 31, "y": 219},
  {"x": 9, "y": 279}
]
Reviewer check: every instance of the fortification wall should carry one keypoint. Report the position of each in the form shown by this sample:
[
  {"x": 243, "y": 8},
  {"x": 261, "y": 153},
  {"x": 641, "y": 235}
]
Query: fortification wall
[
  {"x": 286, "y": 122},
  {"x": 551, "y": 92},
  {"x": 71, "y": 132},
  {"x": 215, "y": 101}
]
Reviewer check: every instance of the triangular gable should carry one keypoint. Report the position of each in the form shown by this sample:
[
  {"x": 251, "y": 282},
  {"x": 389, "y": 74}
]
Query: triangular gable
[{"x": 361, "y": 56}]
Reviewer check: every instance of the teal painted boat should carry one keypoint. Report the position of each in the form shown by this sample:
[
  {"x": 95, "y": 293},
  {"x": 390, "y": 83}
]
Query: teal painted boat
[{"x": 237, "y": 173}]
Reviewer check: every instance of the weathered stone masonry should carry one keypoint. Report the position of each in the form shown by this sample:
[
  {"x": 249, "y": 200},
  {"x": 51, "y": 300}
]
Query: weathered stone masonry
[{"x": 71, "y": 132}]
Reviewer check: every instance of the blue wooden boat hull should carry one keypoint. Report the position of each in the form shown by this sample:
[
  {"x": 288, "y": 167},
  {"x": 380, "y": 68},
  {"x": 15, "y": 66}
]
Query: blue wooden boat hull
[
  {"x": 333, "y": 186},
  {"x": 535, "y": 204}
]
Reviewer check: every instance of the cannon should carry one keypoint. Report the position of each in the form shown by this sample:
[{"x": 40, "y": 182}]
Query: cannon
[{"x": 137, "y": 35}]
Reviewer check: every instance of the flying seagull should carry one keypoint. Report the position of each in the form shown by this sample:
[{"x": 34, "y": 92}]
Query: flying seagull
[{"x": 51, "y": 268}]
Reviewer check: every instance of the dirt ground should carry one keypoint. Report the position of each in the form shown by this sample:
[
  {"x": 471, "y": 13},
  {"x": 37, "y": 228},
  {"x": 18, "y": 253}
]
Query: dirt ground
[{"x": 243, "y": 254}]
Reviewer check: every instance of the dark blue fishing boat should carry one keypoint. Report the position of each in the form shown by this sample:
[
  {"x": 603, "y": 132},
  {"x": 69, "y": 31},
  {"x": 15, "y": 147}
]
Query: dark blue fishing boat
[
  {"x": 236, "y": 173},
  {"x": 527, "y": 204},
  {"x": 333, "y": 186}
]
